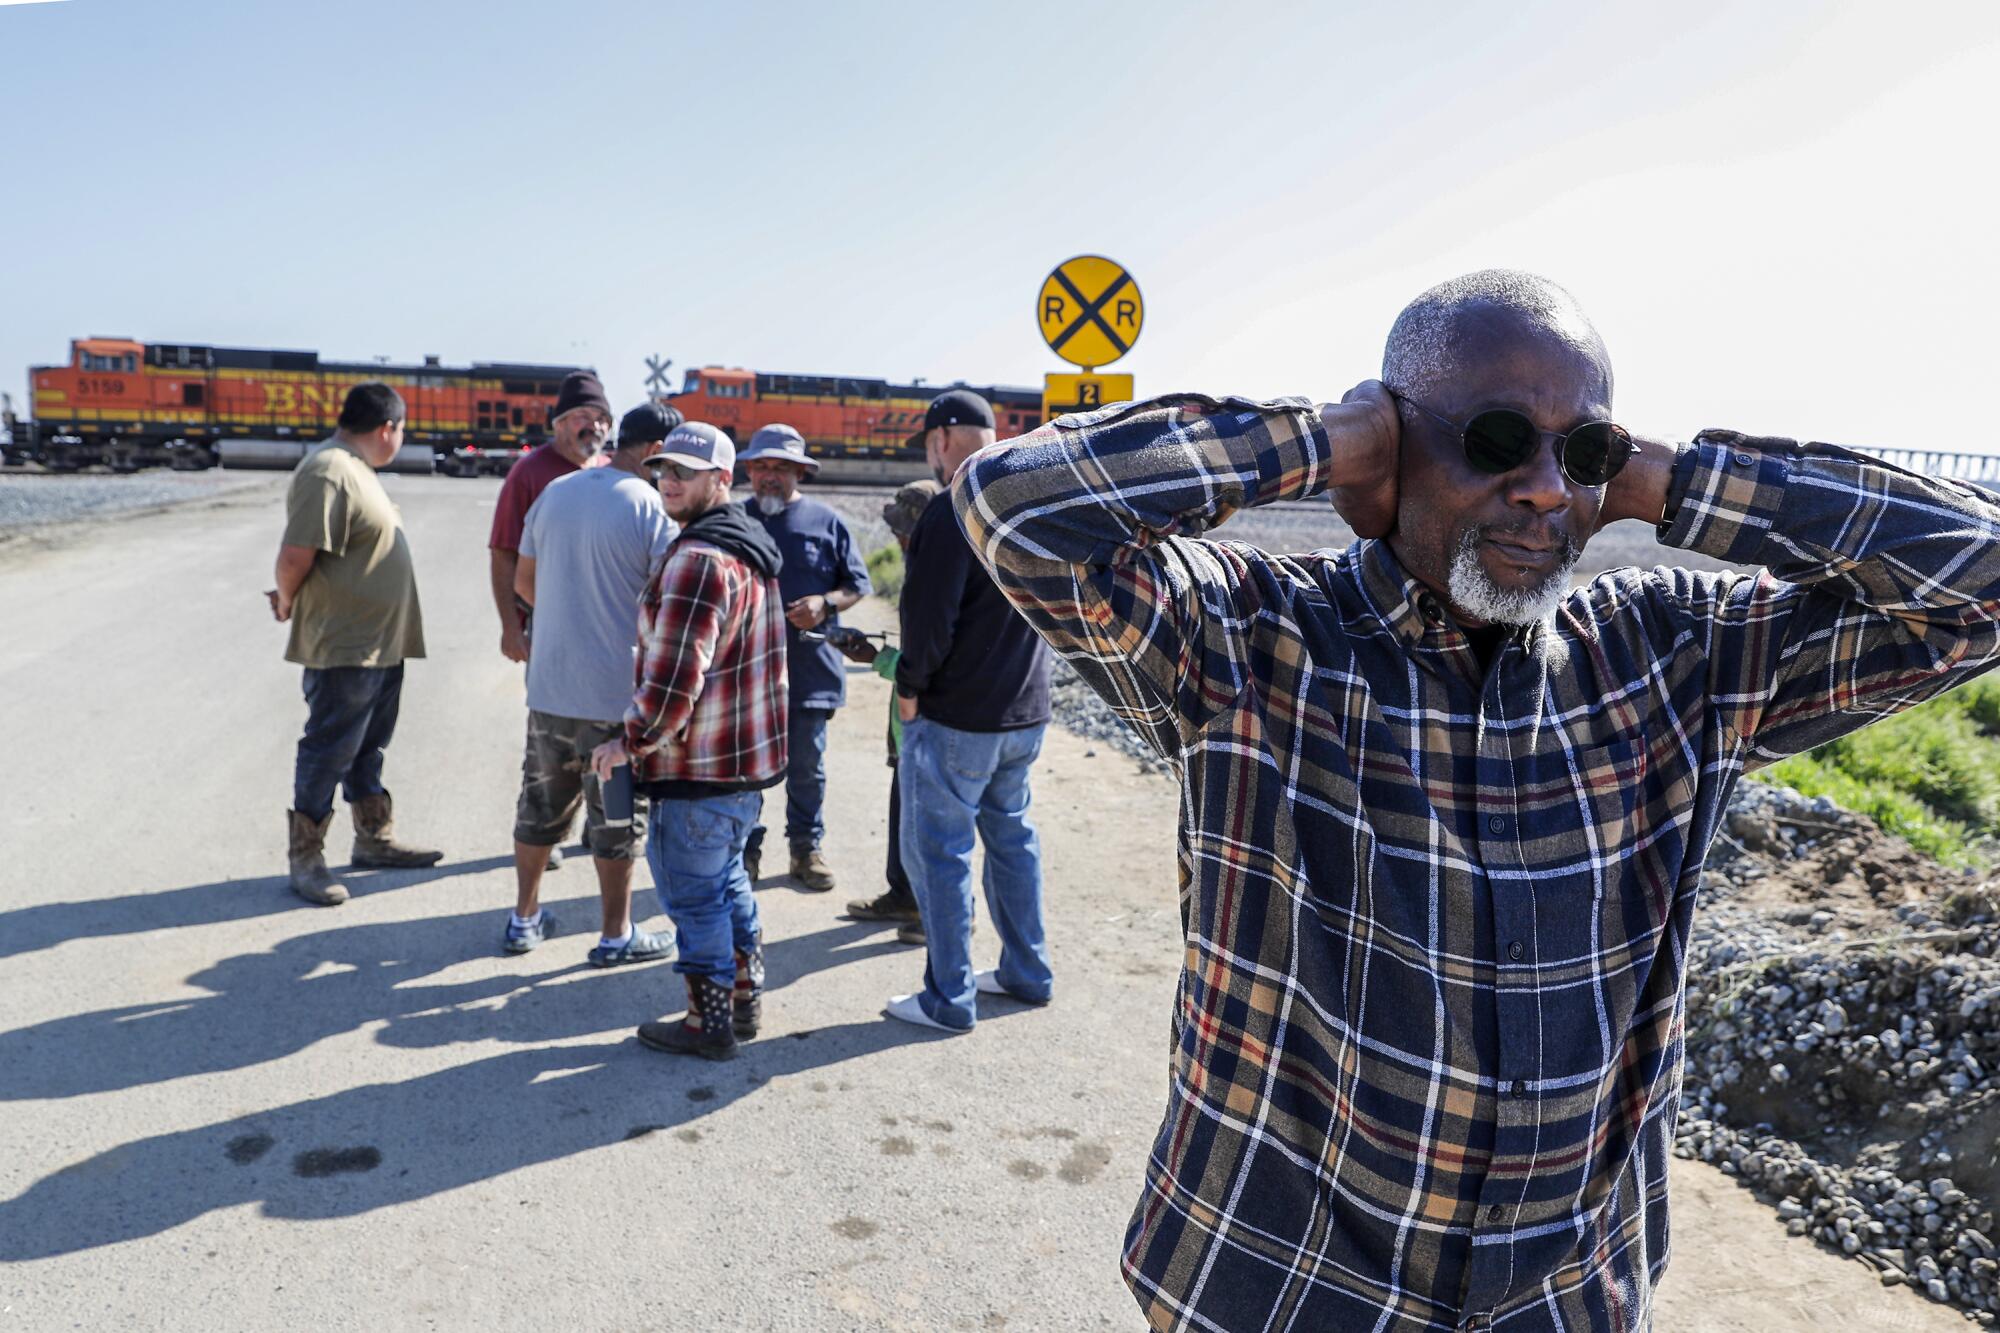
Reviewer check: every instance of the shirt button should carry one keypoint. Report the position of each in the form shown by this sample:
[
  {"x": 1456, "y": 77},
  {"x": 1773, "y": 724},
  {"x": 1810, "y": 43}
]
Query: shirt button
[
  {"x": 1744, "y": 460},
  {"x": 1495, "y": 824},
  {"x": 1495, "y": 1213},
  {"x": 1515, "y": 950}
]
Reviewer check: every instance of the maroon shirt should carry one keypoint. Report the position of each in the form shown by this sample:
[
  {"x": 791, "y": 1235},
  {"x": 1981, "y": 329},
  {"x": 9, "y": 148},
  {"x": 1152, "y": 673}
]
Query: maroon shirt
[{"x": 525, "y": 480}]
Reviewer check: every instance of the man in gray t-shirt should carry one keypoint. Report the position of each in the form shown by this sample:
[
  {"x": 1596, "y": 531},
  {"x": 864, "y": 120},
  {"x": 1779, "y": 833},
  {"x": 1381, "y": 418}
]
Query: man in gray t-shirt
[{"x": 590, "y": 542}]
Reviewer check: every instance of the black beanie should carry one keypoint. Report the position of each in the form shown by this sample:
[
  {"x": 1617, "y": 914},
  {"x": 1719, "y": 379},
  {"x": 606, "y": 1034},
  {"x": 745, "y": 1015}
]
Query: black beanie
[{"x": 580, "y": 389}]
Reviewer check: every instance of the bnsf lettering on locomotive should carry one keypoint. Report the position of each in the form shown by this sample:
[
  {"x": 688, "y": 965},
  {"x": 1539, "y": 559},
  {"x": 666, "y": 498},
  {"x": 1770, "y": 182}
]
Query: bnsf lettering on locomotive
[{"x": 294, "y": 399}]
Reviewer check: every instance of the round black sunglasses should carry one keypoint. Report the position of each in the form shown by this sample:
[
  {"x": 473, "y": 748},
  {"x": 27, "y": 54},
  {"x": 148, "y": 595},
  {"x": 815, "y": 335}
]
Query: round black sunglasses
[{"x": 1500, "y": 439}]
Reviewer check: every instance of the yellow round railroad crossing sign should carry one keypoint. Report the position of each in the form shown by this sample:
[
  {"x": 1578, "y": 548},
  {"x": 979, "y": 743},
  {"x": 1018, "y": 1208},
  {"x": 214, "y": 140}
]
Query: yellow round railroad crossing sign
[{"x": 1090, "y": 311}]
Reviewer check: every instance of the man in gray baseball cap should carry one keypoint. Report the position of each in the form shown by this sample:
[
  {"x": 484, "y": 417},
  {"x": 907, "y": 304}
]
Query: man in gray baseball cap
[{"x": 823, "y": 575}]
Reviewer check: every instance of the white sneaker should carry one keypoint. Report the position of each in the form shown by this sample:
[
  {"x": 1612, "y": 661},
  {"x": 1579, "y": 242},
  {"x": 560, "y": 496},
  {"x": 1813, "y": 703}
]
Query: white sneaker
[
  {"x": 909, "y": 1010},
  {"x": 987, "y": 982}
]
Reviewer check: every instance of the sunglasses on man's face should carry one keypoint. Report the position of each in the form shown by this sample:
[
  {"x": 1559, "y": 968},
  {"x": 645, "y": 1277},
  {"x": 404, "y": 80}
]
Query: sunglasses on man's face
[
  {"x": 678, "y": 471},
  {"x": 1500, "y": 439}
]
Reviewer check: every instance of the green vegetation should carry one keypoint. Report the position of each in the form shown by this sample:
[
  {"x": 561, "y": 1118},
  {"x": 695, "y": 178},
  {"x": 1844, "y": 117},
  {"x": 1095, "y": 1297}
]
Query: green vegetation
[
  {"x": 1931, "y": 775},
  {"x": 885, "y": 571}
]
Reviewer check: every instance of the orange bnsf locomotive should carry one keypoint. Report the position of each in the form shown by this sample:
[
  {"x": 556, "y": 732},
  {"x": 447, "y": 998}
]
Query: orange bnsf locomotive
[
  {"x": 128, "y": 405},
  {"x": 858, "y": 429}
]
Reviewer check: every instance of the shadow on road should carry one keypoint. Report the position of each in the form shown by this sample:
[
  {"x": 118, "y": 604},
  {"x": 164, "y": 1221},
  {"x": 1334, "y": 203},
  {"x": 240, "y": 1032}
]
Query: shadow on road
[
  {"x": 45, "y": 925},
  {"x": 387, "y": 1143},
  {"x": 271, "y": 1004}
]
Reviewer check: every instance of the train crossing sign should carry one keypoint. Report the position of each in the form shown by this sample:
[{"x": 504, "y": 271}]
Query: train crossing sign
[
  {"x": 1090, "y": 311},
  {"x": 656, "y": 379},
  {"x": 1064, "y": 393}
]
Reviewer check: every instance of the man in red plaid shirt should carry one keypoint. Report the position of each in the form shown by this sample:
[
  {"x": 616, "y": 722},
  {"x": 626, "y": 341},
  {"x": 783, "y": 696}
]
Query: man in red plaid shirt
[{"x": 706, "y": 733}]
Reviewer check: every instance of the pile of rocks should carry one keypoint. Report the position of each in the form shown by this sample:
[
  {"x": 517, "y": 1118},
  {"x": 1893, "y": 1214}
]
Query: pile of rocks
[
  {"x": 38, "y": 500},
  {"x": 1851, "y": 1072},
  {"x": 1078, "y": 708}
]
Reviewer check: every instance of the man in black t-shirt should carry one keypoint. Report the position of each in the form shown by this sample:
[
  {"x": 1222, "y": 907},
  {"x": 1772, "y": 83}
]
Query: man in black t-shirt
[{"x": 972, "y": 689}]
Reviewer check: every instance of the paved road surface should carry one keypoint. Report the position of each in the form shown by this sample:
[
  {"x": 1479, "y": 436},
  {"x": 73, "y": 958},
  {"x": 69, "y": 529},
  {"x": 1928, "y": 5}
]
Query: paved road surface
[{"x": 228, "y": 1110}]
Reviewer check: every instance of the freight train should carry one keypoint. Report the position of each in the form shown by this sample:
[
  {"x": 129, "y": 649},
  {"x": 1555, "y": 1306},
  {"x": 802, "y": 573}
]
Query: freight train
[
  {"x": 127, "y": 405},
  {"x": 859, "y": 429}
]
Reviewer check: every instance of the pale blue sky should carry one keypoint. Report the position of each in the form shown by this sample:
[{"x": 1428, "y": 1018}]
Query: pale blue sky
[{"x": 1781, "y": 222}]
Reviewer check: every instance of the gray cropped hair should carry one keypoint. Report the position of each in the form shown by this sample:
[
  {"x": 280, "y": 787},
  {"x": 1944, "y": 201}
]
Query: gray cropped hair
[{"x": 1424, "y": 343}]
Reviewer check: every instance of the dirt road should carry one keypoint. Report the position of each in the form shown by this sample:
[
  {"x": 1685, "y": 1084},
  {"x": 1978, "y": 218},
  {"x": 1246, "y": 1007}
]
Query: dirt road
[{"x": 227, "y": 1110}]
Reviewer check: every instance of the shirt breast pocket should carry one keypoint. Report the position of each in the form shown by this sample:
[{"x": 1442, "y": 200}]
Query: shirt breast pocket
[{"x": 1610, "y": 784}]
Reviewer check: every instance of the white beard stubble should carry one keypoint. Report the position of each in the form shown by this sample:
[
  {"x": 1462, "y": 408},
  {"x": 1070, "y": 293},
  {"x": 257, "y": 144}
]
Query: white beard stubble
[{"x": 1474, "y": 592}]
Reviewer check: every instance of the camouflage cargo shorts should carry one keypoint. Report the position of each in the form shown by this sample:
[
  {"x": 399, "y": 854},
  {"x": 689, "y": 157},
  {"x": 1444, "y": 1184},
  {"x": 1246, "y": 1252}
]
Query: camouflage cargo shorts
[{"x": 556, "y": 778}]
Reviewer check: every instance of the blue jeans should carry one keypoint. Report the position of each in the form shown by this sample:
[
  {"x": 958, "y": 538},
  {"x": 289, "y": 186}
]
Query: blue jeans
[
  {"x": 352, "y": 715},
  {"x": 805, "y": 779},
  {"x": 696, "y": 851},
  {"x": 953, "y": 784}
]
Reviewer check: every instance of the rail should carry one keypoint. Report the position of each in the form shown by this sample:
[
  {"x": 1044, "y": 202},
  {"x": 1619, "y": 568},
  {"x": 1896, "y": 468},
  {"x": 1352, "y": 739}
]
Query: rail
[{"x": 1942, "y": 463}]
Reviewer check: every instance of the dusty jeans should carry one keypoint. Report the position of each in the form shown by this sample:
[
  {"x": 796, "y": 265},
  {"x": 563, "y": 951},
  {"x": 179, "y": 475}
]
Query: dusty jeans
[{"x": 351, "y": 719}]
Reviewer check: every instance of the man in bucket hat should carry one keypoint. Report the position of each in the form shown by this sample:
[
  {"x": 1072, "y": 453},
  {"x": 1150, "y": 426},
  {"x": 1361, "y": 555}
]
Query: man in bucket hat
[{"x": 824, "y": 574}]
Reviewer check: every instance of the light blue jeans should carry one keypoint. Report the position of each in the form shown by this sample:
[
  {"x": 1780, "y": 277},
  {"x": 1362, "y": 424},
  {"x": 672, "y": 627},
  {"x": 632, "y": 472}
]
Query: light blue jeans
[
  {"x": 696, "y": 851},
  {"x": 956, "y": 783}
]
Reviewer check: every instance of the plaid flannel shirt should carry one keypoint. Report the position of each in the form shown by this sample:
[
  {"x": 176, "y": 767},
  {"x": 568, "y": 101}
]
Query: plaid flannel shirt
[
  {"x": 710, "y": 703},
  {"x": 1427, "y": 1043}
]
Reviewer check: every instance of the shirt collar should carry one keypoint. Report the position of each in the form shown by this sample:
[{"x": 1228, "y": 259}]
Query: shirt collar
[{"x": 1408, "y": 609}]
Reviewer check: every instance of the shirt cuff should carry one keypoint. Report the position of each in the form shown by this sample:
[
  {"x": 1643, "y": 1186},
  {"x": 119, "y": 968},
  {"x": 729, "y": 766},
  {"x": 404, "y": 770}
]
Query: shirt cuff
[{"x": 1726, "y": 493}]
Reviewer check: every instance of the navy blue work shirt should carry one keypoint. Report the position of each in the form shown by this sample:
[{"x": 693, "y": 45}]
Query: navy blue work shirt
[{"x": 820, "y": 556}]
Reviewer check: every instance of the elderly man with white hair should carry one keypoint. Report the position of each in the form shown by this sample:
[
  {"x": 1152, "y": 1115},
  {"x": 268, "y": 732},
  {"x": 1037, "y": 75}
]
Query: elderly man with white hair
[
  {"x": 823, "y": 575},
  {"x": 1443, "y": 816}
]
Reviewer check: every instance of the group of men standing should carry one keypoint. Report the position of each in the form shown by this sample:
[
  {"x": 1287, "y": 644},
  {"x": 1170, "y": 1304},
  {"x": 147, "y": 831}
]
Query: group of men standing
[
  {"x": 685, "y": 648},
  {"x": 1443, "y": 816}
]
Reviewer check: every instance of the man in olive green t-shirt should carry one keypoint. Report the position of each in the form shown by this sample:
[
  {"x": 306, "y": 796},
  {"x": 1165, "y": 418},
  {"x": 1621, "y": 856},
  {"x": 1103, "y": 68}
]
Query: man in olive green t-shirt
[{"x": 346, "y": 584}]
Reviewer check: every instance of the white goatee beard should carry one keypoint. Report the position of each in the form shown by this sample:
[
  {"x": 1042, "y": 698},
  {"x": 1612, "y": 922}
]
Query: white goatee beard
[
  {"x": 1474, "y": 592},
  {"x": 770, "y": 506}
]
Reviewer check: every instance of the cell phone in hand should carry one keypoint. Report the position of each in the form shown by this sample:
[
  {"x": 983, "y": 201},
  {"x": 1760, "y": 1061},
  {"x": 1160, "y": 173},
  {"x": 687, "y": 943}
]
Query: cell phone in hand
[{"x": 618, "y": 798}]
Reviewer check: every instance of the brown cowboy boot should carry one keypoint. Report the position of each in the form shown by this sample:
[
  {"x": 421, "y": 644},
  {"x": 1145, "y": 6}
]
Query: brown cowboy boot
[
  {"x": 375, "y": 837},
  {"x": 809, "y": 868},
  {"x": 747, "y": 999},
  {"x": 706, "y": 1030},
  {"x": 311, "y": 880}
]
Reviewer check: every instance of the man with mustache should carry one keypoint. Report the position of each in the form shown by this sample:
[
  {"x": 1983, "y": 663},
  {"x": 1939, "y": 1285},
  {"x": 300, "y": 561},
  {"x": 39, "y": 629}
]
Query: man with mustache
[
  {"x": 1443, "y": 818},
  {"x": 581, "y": 420}
]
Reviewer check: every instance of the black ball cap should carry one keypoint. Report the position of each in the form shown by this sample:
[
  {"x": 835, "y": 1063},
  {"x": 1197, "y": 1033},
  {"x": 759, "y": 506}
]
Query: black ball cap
[
  {"x": 648, "y": 423},
  {"x": 958, "y": 407}
]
